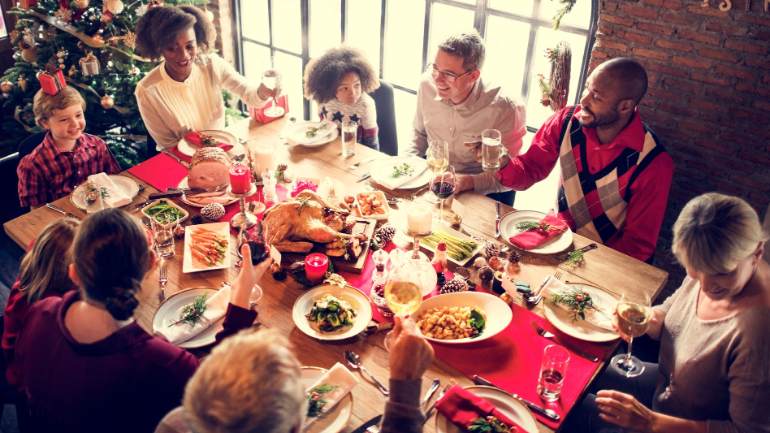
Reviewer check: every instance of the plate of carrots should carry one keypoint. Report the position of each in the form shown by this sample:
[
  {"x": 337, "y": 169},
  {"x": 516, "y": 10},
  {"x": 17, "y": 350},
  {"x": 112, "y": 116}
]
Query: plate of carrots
[{"x": 206, "y": 247}]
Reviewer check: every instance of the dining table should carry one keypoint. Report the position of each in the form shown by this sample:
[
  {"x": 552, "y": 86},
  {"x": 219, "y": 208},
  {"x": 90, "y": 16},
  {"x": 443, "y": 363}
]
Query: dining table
[{"x": 603, "y": 267}]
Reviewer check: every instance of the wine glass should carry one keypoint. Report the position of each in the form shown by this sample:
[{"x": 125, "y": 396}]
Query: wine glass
[
  {"x": 403, "y": 293},
  {"x": 437, "y": 155},
  {"x": 443, "y": 185},
  {"x": 270, "y": 80},
  {"x": 632, "y": 314}
]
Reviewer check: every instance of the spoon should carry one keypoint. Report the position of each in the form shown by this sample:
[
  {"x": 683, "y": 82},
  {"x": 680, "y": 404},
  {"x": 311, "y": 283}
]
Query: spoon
[{"x": 354, "y": 362}]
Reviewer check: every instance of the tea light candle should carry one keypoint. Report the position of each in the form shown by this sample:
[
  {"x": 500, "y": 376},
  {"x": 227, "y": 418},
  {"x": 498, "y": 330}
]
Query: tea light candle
[
  {"x": 240, "y": 179},
  {"x": 419, "y": 219},
  {"x": 316, "y": 265}
]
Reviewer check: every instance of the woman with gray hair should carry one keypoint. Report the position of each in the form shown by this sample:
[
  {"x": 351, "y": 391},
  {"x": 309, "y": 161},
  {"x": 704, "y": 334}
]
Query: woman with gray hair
[
  {"x": 713, "y": 373},
  {"x": 251, "y": 384}
]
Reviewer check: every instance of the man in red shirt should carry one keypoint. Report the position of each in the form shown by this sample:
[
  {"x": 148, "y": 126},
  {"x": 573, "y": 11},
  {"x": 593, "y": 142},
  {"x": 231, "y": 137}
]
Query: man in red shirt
[{"x": 615, "y": 176}]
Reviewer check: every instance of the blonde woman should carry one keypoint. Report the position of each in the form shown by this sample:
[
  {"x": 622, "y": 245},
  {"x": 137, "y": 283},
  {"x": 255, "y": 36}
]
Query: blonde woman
[
  {"x": 713, "y": 373},
  {"x": 42, "y": 273}
]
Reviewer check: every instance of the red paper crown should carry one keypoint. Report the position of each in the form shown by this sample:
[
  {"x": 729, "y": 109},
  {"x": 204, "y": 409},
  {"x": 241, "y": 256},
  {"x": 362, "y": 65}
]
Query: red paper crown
[{"x": 52, "y": 82}]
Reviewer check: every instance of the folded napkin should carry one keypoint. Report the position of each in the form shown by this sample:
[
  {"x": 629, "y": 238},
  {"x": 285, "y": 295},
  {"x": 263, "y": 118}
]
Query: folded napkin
[
  {"x": 462, "y": 408},
  {"x": 110, "y": 193},
  {"x": 551, "y": 226},
  {"x": 389, "y": 182},
  {"x": 328, "y": 390},
  {"x": 216, "y": 306},
  {"x": 596, "y": 316},
  {"x": 196, "y": 140}
]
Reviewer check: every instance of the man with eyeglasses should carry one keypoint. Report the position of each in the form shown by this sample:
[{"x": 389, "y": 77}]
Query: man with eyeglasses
[
  {"x": 454, "y": 104},
  {"x": 615, "y": 176}
]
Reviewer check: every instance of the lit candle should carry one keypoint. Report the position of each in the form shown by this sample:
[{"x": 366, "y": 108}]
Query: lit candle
[
  {"x": 316, "y": 265},
  {"x": 240, "y": 179}
]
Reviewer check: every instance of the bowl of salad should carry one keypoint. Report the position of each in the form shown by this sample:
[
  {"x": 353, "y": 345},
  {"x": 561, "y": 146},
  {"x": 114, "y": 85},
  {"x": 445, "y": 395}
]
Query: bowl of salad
[{"x": 331, "y": 312}]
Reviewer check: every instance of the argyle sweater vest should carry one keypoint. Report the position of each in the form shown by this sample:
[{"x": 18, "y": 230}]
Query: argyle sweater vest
[{"x": 596, "y": 202}]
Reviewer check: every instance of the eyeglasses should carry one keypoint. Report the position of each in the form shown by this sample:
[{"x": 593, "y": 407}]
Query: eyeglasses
[{"x": 449, "y": 76}]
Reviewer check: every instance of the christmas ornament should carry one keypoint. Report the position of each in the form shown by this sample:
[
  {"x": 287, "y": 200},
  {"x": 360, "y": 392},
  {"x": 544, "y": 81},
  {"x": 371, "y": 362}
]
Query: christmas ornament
[
  {"x": 81, "y": 4},
  {"x": 63, "y": 15},
  {"x": 107, "y": 102},
  {"x": 61, "y": 56},
  {"x": 52, "y": 82},
  {"x": 134, "y": 71},
  {"x": 114, "y": 6},
  {"x": 6, "y": 87},
  {"x": 213, "y": 211},
  {"x": 29, "y": 53},
  {"x": 26, "y": 4},
  {"x": 106, "y": 16},
  {"x": 22, "y": 82},
  {"x": 141, "y": 10},
  {"x": 89, "y": 65}
]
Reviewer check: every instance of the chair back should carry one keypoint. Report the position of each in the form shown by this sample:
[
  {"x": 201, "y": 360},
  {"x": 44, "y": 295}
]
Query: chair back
[
  {"x": 30, "y": 143},
  {"x": 386, "y": 118}
]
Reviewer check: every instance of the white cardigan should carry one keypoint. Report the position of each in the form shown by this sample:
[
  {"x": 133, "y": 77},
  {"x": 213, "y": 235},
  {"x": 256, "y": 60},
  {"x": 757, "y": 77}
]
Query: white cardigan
[{"x": 172, "y": 108}]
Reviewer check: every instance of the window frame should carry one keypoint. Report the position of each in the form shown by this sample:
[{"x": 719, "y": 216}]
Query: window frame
[{"x": 482, "y": 11}]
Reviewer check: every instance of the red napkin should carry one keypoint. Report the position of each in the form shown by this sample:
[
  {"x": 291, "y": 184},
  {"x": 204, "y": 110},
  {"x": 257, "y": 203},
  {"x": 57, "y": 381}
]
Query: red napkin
[
  {"x": 161, "y": 171},
  {"x": 462, "y": 407},
  {"x": 196, "y": 139},
  {"x": 258, "y": 113},
  {"x": 530, "y": 239}
]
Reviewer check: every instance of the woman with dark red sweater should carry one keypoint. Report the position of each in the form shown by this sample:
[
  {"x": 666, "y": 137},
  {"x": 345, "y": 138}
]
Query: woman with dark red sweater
[{"x": 85, "y": 364}]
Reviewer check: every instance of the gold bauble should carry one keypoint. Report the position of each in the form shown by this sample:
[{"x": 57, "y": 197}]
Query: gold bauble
[
  {"x": 114, "y": 6},
  {"x": 29, "y": 54},
  {"x": 6, "y": 86},
  {"x": 22, "y": 82},
  {"x": 107, "y": 102},
  {"x": 81, "y": 4}
]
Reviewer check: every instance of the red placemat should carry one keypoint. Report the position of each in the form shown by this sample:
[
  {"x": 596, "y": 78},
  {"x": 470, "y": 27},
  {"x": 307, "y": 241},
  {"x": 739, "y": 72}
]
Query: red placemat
[
  {"x": 511, "y": 360},
  {"x": 160, "y": 171}
]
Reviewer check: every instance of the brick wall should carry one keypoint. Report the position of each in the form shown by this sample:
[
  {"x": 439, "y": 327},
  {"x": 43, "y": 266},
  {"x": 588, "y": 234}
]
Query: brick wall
[{"x": 709, "y": 94}]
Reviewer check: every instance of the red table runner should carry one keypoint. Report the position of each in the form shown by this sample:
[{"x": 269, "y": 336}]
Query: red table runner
[{"x": 511, "y": 360}]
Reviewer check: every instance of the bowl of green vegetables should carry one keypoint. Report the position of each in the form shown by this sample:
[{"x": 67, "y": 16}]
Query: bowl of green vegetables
[{"x": 164, "y": 211}]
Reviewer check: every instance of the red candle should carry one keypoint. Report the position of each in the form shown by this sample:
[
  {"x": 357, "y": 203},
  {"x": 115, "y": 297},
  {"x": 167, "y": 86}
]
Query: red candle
[
  {"x": 240, "y": 179},
  {"x": 316, "y": 265}
]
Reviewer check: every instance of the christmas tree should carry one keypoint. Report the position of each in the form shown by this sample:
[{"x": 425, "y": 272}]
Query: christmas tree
[{"x": 92, "y": 42}]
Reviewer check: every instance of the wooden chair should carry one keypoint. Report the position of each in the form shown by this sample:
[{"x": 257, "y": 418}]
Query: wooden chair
[{"x": 386, "y": 118}]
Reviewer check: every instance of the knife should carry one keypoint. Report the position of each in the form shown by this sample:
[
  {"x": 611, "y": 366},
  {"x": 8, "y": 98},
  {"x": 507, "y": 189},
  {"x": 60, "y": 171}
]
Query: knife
[
  {"x": 364, "y": 177},
  {"x": 176, "y": 192},
  {"x": 548, "y": 413}
]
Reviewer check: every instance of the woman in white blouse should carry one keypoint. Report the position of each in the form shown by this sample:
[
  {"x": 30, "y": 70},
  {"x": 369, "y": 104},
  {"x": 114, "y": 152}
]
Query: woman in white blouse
[{"x": 184, "y": 92}]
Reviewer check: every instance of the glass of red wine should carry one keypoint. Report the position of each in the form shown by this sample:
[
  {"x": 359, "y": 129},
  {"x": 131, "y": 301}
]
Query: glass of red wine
[{"x": 443, "y": 186}]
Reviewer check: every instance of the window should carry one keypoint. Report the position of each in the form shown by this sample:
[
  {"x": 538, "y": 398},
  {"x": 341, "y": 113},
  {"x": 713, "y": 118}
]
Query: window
[{"x": 400, "y": 37}]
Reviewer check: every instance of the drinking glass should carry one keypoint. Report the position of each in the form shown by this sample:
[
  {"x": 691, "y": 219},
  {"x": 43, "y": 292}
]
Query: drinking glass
[
  {"x": 491, "y": 149},
  {"x": 443, "y": 185},
  {"x": 553, "y": 370},
  {"x": 270, "y": 80},
  {"x": 632, "y": 315},
  {"x": 163, "y": 236},
  {"x": 437, "y": 155},
  {"x": 349, "y": 138},
  {"x": 403, "y": 293}
]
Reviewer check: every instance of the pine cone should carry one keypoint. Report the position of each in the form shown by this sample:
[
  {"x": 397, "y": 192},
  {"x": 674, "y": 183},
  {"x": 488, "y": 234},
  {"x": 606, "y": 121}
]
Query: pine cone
[
  {"x": 386, "y": 233},
  {"x": 491, "y": 249},
  {"x": 454, "y": 285},
  {"x": 213, "y": 211}
]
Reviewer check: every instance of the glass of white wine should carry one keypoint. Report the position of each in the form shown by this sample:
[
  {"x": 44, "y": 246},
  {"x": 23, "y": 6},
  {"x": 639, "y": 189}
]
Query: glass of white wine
[
  {"x": 437, "y": 155},
  {"x": 403, "y": 294},
  {"x": 632, "y": 314}
]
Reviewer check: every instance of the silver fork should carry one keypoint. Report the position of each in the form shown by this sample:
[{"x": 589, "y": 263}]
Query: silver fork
[
  {"x": 162, "y": 280},
  {"x": 537, "y": 297}
]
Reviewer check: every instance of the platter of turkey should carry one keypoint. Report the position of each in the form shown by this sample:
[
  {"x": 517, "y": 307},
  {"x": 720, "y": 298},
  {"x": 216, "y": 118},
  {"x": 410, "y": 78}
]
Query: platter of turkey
[{"x": 208, "y": 172}]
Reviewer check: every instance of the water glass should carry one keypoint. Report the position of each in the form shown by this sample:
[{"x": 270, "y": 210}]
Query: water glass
[
  {"x": 349, "y": 138},
  {"x": 491, "y": 149},
  {"x": 553, "y": 370},
  {"x": 163, "y": 237}
]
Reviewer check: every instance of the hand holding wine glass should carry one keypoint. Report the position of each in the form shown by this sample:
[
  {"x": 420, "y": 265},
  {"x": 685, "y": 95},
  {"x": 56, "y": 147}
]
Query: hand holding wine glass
[
  {"x": 633, "y": 314},
  {"x": 271, "y": 88}
]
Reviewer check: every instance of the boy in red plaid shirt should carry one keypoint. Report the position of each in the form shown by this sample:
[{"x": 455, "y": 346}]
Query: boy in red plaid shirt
[{"x": 66, "y": 156}]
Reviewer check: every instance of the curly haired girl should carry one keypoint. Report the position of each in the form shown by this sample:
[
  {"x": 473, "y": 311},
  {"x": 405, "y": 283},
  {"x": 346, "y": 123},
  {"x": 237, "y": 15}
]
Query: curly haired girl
[{"x": 339, "y": 81}]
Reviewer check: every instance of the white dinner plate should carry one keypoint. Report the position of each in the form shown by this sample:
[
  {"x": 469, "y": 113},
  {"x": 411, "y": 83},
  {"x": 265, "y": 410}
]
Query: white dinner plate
[
  {"x": 183, "y": 184},
  {"x": 335, "y": 420},
  {"x": 583, "y": 329},
  {"x": 382, "y": 172},
  {"x": 186, "y": 148},
  {"x": 358, "y": 301},
  {"x": 170, "y": 310},
  {"x": 127, "y": 185},
  {"x": 297, "y": 133},
  {"x": 188, "y": 265},
  {"x": 497, "y": 314},
  {"x": 508, "y": 229},
  {"x": 506, "y": 404}
]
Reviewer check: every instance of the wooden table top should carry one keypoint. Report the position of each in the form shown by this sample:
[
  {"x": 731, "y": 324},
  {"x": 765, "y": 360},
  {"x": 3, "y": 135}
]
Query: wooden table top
[{"x": 607, "y": 268}]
